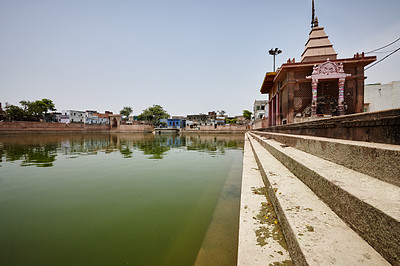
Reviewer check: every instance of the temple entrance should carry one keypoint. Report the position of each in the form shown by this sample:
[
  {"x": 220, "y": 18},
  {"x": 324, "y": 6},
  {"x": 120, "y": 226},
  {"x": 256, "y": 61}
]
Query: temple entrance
[
  {"x": 321, "y": 77},
  {"x": 114, "y": 123},
  {"x": 327, "y": 98}
]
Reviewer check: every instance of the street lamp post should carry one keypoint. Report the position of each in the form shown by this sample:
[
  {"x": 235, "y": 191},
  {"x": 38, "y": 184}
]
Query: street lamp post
[{"x": 274, "y": 52}]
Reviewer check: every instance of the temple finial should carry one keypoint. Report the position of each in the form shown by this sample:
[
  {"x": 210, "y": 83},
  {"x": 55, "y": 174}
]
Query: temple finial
[{"x": 314, "y": 20}]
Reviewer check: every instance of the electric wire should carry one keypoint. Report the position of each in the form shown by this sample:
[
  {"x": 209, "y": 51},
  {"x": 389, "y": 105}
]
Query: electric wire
[
  {"x": 382, "y": 47},
  {"x": 384, "y": 52},
  {"x": 382, "y": 59}
]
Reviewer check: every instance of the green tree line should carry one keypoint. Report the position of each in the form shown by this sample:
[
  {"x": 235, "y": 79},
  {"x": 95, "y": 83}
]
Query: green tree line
[{"x": 32, "y": 111}]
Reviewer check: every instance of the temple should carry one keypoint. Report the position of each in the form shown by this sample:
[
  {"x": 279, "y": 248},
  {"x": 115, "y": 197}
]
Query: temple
[{"x": 321, "y": 85}]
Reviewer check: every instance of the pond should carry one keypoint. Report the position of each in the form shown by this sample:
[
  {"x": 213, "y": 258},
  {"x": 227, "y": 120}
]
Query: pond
[{"x": 119, "y": 199}]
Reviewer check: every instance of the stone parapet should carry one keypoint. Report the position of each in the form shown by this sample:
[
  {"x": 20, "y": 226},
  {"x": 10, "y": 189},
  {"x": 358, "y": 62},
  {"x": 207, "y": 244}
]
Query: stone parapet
[{"x": 381, "y": 127}]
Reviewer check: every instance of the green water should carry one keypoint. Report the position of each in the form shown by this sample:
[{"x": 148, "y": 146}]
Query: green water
[{"x": 122, "y": 199}]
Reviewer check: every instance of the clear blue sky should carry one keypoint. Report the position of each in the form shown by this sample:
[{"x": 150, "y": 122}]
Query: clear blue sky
[{"x": 188, "y": 56}]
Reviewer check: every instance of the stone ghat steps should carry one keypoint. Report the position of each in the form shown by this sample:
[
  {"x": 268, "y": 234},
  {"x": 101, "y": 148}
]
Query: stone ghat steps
[
  {"x": 330, "y": 214},
  {"x": 375, "y": 159},
  {"x": 260, "y": 238}
]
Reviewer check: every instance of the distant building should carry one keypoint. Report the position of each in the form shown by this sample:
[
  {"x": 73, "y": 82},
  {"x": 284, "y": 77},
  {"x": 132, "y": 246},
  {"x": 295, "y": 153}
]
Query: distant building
[
  {"x": 176, "y": 123},
  {"x": 219, "y": 120},
  {"x": 212, "y": 115},
  {"x": 200, "y": 119},
  {"x": 260, "y": 109},
  {"x": 90, "y": 117},
  {"x": 98, "y": 118},
  {"x": 240, "y": 120},
  {"x": 73, "y": 116},
  {"x": 173, "y": 123},
  {"x": 378, "y": 97},
  {"x": 54, "y": 117}
]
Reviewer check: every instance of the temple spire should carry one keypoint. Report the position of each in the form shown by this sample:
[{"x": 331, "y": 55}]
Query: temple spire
[{"x": 318, "y": 46}]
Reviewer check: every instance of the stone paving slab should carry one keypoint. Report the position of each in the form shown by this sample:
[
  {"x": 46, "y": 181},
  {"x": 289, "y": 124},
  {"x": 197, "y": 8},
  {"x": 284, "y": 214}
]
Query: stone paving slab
[
  {"x": 260, "y": 240},
  {"x": 314, "y": 233}
]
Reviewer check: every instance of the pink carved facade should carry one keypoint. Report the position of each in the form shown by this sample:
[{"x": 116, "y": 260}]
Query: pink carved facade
[{"x": 326, "y": 71}]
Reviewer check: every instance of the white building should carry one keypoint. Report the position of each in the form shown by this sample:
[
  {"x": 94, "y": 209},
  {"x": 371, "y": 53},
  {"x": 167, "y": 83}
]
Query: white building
[
  {"x": 260, "y": 109},
  {"x": 74, "y": 116},
  {"x": 62, "y": 118},
  {"x": 378, "y": 97},
  {"x": 95, "y": 120}
]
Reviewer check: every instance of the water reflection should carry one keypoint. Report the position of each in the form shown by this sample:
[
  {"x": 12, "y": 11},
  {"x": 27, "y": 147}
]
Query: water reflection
[
  {"x": 41, "y": 156},
  {"x": 42, "y": 150}
]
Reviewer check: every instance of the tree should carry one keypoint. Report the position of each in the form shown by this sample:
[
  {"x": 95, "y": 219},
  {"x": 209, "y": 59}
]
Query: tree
[
  {"x": 126, "y": 111},
  {"x": 247, "y": 114},
  {"x": 230, "y": 121},
  {"x": 153, "y": 114},
  {"x": 14, "y": 112},
  {"x": 221, "y": 113},
  {"x": 38, "y": 108},
  {"x": 47, "y": 105},
  {"x": 30, "y": 110}
]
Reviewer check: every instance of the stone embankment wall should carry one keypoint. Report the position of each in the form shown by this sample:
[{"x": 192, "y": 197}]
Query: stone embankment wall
[
  {"x": 381, "y": 127},
  {"x": 218, "y": 129},
  {"x": 46, "y": 127},
  {"x": 258, "y": 124},
  {"x": 133, "y": 128}
]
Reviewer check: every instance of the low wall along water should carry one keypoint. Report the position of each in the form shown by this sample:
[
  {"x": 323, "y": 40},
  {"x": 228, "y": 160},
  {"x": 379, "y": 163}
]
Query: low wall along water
[{"x": 48, "y": 127}]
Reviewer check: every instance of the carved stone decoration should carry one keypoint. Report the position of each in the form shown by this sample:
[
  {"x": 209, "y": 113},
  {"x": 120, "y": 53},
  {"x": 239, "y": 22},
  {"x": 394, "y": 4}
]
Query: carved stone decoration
[
  {"x": 341, "y": 96},
  {"x": 328, "y": 70},
  {"x": 314, "y": 98}
]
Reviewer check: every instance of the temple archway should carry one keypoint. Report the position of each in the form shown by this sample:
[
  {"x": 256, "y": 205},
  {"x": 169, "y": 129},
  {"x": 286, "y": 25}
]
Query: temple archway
[{"x": 328, "y": 71}]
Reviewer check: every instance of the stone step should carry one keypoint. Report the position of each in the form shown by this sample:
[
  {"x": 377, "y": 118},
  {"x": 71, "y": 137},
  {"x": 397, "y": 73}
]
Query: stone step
[
  {"x": 315, "y": 235},
  {"x": 371, "y": 207},
  {"x": 375, "y": 159},
  {"x": 260, "y": 239}
]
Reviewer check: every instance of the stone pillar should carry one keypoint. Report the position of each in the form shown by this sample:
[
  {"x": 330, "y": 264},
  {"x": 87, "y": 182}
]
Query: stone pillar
[
  {"x": 341, "y": 96},
  {"x": 359, "y": 96},
  {"x": 314, "y": 97},
  {"x": 278, "y": 109}
]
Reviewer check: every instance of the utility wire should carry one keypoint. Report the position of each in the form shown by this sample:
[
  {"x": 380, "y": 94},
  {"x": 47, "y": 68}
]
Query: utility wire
[
  {"x": 384, "y": 52},
  {"x": 382, "y": 58},
  {"x": 383, "y": 46}
]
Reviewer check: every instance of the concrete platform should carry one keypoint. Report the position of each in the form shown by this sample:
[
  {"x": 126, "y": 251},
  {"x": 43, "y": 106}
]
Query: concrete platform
[
  {"x": 370, "y": 206},
  {"x": 314, "y": 233}
]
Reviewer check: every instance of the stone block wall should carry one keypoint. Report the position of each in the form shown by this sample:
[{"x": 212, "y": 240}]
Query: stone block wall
[{"x": 258, "y": 124}]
